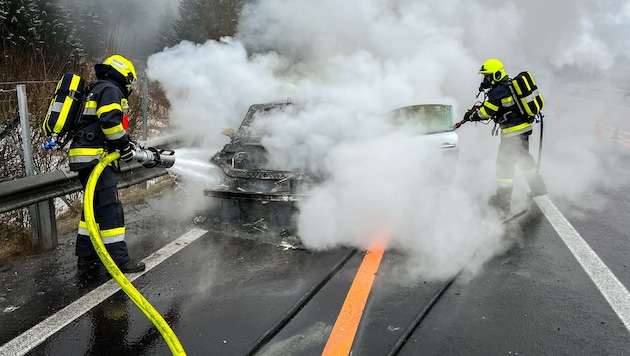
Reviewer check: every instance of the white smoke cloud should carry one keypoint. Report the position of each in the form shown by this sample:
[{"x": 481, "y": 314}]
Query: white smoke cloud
[{"x": 351, "y": 62}]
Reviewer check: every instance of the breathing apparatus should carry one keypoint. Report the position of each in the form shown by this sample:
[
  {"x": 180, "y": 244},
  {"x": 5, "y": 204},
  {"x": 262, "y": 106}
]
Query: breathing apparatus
[{"x": 538, "y": 119}]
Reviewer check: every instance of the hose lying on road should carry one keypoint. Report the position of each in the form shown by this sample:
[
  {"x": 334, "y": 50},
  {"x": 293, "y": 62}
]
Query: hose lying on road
[{"x": 144, "y": 305}]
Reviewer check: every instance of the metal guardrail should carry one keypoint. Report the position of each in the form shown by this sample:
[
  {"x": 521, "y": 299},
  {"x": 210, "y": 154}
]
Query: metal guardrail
[
  {"x": 39, "y": 191},
  {"x": 27, "y": 191}
]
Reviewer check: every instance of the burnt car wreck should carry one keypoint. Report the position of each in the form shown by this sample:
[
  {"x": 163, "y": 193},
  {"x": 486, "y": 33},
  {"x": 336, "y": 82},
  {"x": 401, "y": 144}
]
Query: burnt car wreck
[
  {"x": 251, "y": 193},
  {"x": 266, "y": 200}
]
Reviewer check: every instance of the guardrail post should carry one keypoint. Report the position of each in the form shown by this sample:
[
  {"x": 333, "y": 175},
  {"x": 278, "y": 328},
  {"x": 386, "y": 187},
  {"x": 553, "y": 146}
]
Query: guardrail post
[
  {"x": 43, "y": 223},
  {"x": 145, "y": 114},
  {"x": 26, "y": 130},
  {"x": 145, "y": 105}
]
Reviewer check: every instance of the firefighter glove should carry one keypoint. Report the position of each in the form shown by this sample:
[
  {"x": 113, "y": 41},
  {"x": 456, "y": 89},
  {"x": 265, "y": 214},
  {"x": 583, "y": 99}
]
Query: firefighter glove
[
  {"x": 127, "y": 153},
  {"x": 468, "y": 116}
]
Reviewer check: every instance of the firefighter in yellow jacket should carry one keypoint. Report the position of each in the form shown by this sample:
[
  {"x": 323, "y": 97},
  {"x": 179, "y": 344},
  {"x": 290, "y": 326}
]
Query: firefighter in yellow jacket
[
  {"x": 515, "y": 129},
  {"x": 102, "y": 130}
]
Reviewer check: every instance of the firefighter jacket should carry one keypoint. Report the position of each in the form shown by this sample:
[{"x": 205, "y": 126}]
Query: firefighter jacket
[
  {"x": 101, "y": 128},
  {"x": 503, "y": 109}
]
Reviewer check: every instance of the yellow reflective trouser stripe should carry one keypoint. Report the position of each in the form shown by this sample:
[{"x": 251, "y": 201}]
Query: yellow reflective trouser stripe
[
  {"x": 530, "y": 172},
  {"x": 108, "y": 236},
  {"x": 505, "y": 182},
  {"x": 113, "y": 235},
  {"x": 83, "y": 231},
  {"x": 108, "y": 108}
]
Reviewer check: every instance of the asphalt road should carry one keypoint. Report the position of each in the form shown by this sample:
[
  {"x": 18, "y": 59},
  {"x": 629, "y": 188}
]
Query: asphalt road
[{"x": 229, "y": 295}]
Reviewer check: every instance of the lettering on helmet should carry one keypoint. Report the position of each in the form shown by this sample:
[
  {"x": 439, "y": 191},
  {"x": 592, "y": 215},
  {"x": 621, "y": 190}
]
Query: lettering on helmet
[{"x": 118, "y": 64}]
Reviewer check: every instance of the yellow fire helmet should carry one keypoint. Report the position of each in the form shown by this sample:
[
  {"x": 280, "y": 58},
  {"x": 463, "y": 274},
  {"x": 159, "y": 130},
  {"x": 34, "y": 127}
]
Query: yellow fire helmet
[
  {"x": 494, "y": 67},
  {"x": 123, "y": 66}
]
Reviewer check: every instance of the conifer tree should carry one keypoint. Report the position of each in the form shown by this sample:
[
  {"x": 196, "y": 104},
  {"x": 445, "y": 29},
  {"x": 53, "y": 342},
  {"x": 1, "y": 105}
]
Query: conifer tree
[
  {"x": 38, "y": 28},
  {"x": 201, "y": 20}
]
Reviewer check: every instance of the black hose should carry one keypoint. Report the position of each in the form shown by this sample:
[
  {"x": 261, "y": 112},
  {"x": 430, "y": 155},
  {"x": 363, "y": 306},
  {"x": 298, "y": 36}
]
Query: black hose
[{"x": 540, "y": 144}]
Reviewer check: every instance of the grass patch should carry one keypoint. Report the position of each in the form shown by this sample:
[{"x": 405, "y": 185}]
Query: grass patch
[{"x": 14, "y": 241}]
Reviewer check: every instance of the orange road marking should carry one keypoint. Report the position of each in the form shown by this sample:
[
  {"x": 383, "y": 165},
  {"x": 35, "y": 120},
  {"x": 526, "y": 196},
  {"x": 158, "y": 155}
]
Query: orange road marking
[{"x": 345, "y": 328}]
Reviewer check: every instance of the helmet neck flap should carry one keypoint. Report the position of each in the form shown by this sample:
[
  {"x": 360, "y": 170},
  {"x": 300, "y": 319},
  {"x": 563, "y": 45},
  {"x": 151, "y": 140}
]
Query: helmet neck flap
[{"x": 119, "y": 70}]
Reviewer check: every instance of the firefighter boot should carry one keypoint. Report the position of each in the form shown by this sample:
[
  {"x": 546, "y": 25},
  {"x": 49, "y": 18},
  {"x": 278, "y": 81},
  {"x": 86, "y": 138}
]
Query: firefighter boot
[
  {"x": 131, "y": 266},
  {"x": 85, "y": 263},
  {"x": 501, "y": 201},
  {"x": 537, "y": 187}
]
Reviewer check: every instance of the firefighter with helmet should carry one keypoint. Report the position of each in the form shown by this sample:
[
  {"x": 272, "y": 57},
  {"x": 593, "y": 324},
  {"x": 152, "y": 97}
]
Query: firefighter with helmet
[
  {"x": 515, "y": 129},
  {"x": 102, "y": 130}
]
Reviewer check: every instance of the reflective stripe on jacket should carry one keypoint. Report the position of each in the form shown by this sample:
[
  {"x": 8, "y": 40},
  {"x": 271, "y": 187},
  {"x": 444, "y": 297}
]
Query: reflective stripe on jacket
[
  {"x": 102, "y": 126},
  {"x": 85, "y": 155},
  {"x": 501, "y": 107}
]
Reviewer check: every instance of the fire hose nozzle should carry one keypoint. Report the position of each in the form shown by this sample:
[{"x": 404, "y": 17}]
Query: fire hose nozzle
[{"x": 155, "y": 157}]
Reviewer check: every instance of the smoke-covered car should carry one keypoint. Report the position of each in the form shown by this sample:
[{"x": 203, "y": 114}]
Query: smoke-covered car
[
  {"x": 434, "y": 122},
  {"x": 251, "y": 192},
  {"x": 245, "y": 164}
]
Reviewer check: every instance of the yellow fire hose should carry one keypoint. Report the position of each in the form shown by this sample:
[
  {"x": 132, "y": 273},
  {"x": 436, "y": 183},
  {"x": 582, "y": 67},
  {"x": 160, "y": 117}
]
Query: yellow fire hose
[{"x": 144, "y": 305}]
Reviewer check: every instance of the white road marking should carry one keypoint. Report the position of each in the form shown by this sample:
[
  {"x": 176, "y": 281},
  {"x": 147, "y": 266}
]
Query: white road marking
[
  {"x": 29, "y": 339},
  {"x": 613, "y": 290}
]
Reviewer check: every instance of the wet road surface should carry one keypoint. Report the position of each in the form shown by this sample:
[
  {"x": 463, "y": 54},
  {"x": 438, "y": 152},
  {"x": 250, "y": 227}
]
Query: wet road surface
[{"x": 232, "y": 296}]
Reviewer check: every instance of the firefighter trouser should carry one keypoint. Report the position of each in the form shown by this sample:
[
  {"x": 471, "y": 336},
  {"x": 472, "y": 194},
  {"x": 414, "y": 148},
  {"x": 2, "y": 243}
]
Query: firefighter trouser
[
  {"x": 108, "y": 213},
  {"x": 514, "y": 151}
]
